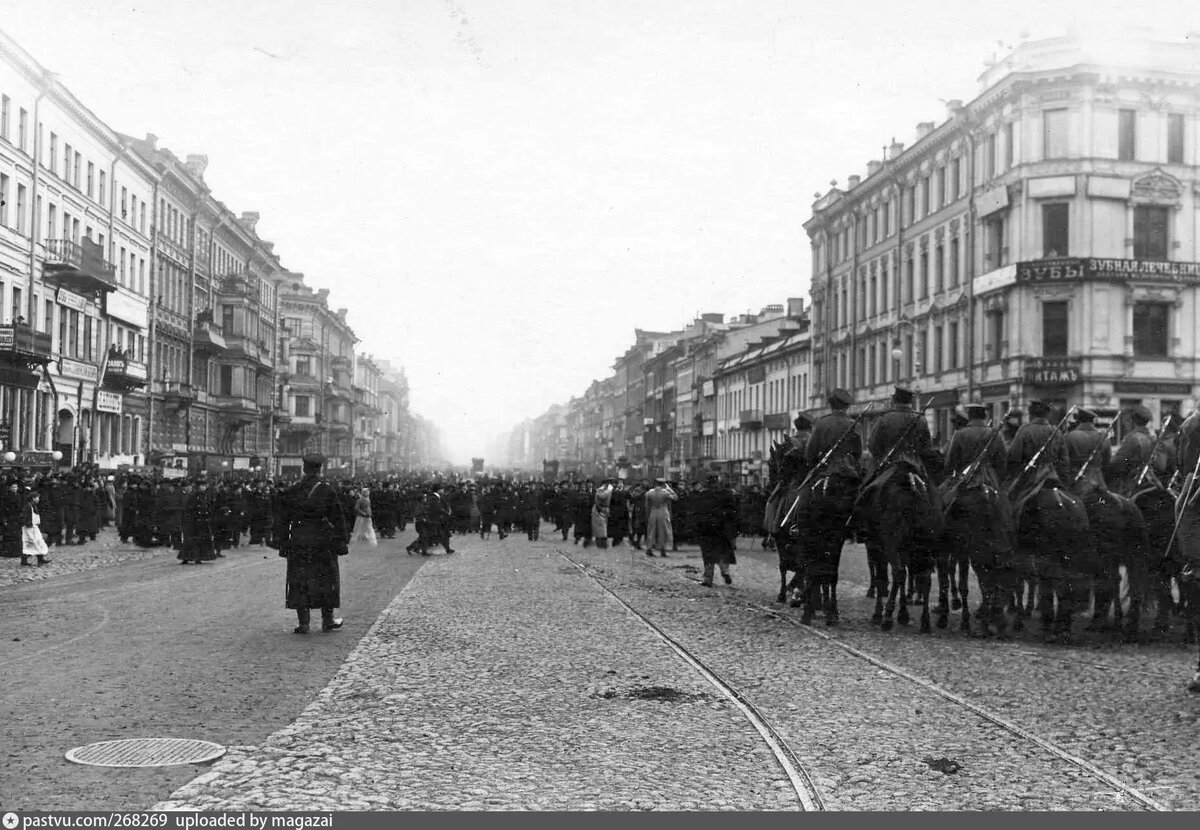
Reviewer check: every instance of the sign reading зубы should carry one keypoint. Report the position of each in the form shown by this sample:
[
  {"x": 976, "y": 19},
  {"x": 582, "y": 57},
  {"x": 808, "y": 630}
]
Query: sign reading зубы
[
  {"x": 1048, "y": 371},
  {"x": 1099, "y": 268}
]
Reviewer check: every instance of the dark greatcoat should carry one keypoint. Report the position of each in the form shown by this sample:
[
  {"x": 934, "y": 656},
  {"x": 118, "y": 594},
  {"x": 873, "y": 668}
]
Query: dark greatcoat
[
  {"x": 312, "y": 532},
  {"x": 826, "y": 433},
  {"x": 1081, "y": 443},
  {"x": 715, "y": 520},
  {"x": 198, "y": 542}
]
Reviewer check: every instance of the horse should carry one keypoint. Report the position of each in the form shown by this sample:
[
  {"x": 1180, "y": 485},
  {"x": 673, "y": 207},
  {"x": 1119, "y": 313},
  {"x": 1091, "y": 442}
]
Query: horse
[
  {"x": 977, "y": 534},
  {"x": 904, "y": 526},
  {"x": 824, "y": 508},
  {"x": 781, "y": 478},
  {"x": 1119, "y": 535},
  {"x": 1053, "y": 538}
]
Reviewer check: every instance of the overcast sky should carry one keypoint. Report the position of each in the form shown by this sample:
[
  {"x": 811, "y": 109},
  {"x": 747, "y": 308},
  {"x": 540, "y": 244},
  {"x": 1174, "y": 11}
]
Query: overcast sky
[{"x": 501, "y": 192}]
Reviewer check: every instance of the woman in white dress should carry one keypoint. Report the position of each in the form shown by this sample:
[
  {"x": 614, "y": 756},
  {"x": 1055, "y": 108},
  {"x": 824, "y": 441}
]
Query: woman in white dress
[
  {"x": 364, "y": 528},
  {"x": 33, "y": 543}
]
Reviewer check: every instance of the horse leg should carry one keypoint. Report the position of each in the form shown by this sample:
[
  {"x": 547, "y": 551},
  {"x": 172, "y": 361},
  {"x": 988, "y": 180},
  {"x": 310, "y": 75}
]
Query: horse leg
[
  {"x": 961, "y": 566},
  {"x": 831, "y": 610},
  {"x": 783, "y": 572},
  {"x": 924, "y": 588},
  {"x": 895, "y": 590},
  {"x": 872, "y": 569},
  {"x": 904, "y": 578},
  {"x": 943, "y": 574}
]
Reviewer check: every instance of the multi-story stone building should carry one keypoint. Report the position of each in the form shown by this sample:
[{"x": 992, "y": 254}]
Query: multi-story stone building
[
  {"x": 318, "y": 366},
  {"x": 369, "y": 423},
  {"x": 75, "y": 257},
  {"x": 1039, "y": 243}
]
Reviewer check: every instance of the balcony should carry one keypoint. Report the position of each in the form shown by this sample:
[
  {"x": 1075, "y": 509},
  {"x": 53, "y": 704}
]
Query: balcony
[
  {"x": 339, "y": 427},
  {"x": 178, "y": 395},
  {"x": 123, "y": 373},
  {"x": 305, "y": 381},
  {"x": 238, "y": 408},
  {"x": 342, "y": 362},
  {"x": 78, "y": 267},
  {"x": 21, "y": 344},
  {"x": 299, "y": 424},
  {"x": 208, "y": 338},
  {"x": 750, "y": 419}
]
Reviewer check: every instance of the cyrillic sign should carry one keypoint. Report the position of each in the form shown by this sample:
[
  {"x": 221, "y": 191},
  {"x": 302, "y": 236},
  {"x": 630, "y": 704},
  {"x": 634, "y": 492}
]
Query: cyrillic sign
[{"x": 1094, "y": 268}]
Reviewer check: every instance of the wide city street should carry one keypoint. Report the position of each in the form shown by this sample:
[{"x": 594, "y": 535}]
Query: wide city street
[{"x": 541, "y": 675}]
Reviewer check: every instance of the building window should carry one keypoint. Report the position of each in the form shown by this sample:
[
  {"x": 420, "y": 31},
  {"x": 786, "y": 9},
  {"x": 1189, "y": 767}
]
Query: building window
[
  {"x": 1150, "y": 236},
  {"x": 21, "y": 199},
  {"x": 53, "y": 153},
  {"x": 1175, "y": 138},
  {"x": 1009, "y": 145},
  {"x": 1054, "y": 134},
  {"x": 910, "y": 206},
  {"x": 939, "y": 268},
  {"x": 921, "y": 366},
  {"x": 1056, "y": 230},
  {"x": 989, "y": 157},
  {"x": 22, "y": 129},
  {"x": 1126, "y": 134},
  {"x": 926, "y": 205},
  {"x": 226, "y": 381},
  {"x": 938, "y": 350},
  {"x": 995, "y": 333},
  {"x": 101, "y": 191},
  {"x": 883, "y": 287},
  {"x": 1150, "y": 327},
  {"x": 1054, "y": 329},
  {"x": 303, "y": 406},
  {"x": 909, "y": 278},
  {"x": 874, "y": 296},
  {"x": 955, "y": 179},
  {"x": 4, "y": 104},
  {"x": 954, "y": 254},
  {"x": 954, "y": 345},
  {"x": 304, "y": 365},
  {"x": 994, "y": 253},
  {"x": 924, "y": 274},
  {"x": 3, "y": 200}
]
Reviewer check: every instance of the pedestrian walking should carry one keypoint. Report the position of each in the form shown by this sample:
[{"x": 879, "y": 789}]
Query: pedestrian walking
[
  {"x": 312, "y": 533},
  {"x": 32, "y": 541},
  {"x": 659, "y": 533},
  {"x": 716, "y": 518},
  {"x": 364, "y": 530},
  {"x": 600, "y": 509}
]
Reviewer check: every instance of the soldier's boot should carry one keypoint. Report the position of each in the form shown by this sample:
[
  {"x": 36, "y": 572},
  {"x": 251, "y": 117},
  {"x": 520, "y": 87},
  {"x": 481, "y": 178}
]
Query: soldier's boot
[
  {"x": 707, "y": 582},
  {"x": 25, "y": 560},
  {"x": 328, "y": 623},
  {"x": 302, "y": 617},
  {"x": 42, "y": 560},
  {"x": 726, "y": 575}
]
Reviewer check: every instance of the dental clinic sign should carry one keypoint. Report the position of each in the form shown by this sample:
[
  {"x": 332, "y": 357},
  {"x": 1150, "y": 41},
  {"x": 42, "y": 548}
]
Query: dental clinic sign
[{"x": 1071, "y": 269}]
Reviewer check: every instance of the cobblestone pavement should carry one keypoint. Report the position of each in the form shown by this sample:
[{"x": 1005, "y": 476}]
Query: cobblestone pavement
[
  {"x": 106, "y": 550},
  {"x": 503, "y": 678}
]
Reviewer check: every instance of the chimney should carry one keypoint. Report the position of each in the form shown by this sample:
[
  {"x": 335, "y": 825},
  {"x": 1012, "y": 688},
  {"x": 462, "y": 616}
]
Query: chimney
[
  {"x": 873, "y": 167},
  {"x": 341, "y": 312},
  {"x": 152, "y": 140},
  {"x": 795, "y": 306},
  {"x": 323, "y": 293},
  {"x": 196, "y": 165},
  {"x": 895, "y": 150},
  {"x": 852, "y": 182},
  {"x": 924, "y": 129},
  {"x": 250, "y": 219},
  {"x": 953, "y": 107}
]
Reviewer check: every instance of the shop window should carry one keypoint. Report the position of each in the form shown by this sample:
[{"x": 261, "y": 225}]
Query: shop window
[
  {"x": 1150, "y": 328},
  {"x": 1056, "y": 230},
  {"x": 1150, "y": 232},
  {"x": 1055, "y": 329}
]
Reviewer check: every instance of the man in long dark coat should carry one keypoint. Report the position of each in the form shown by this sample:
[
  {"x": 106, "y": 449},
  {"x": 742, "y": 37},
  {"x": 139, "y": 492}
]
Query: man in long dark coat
[
  {"x": 312, "y": 533},
  {"x": 715, "y": 516}
]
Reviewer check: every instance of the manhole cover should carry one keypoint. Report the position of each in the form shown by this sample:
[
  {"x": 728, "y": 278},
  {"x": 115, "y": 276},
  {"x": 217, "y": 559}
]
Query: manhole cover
[{"x": 146, "y": 752}]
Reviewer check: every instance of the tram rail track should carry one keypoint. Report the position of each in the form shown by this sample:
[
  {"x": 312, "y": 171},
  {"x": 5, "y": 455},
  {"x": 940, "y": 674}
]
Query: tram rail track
[
  {"x": 808, "y": 795},
  {"x": 993, "y": 718}
]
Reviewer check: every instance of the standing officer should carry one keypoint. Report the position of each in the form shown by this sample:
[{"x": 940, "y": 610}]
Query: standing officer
[
  {"x": 716, "y": 522},
  {"x": 312, "y": 532}
]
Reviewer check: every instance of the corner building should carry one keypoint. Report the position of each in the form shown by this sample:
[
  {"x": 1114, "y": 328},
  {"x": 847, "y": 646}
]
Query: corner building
[{"x": 1040, "y": 243}]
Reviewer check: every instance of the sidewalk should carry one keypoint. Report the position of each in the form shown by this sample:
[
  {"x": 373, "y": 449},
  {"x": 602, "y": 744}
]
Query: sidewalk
[
  {"x": 68, "y": 559},
  {"x": 501, "y": 678}
]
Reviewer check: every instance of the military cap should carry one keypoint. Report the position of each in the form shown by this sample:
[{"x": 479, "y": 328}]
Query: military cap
[
  {"x": 802, "y": 421},
  {"x": 1141, "y": 414},
  {"x": 959, "y": 418},
  {"x": 1015, "y": 412},
  {"x": 1084, "y": 415},
  {"x": 902, "y": 395},
  {"x": 313, "y": 459},
  {"x": 660, "y": 481},
  {"x": 976, "y": 410},
  {"x": 1038, "y": 408},
  {"x": 840, "y": 398}
]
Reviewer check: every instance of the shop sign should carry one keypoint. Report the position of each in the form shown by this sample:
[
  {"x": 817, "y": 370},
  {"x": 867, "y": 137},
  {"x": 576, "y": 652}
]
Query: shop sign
[
  {"x": 108, "y": 402},
  {"x": 1052, "y": 370},
  {"x": 1067, "y": 269},
  {"x": 1135, "y": 387},
  {"x": 70, "y": 299},
  {"x": 7, "y": 338},
  {"x": 78, "y": 369},
  {"x": 995, "y": 390},
  {"x": 126, "y": 309},
  {"x": 709, "y": 387}
]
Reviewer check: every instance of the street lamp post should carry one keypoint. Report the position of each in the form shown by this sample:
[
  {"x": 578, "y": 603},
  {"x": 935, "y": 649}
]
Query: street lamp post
[{"x": 918, "y": 357}]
